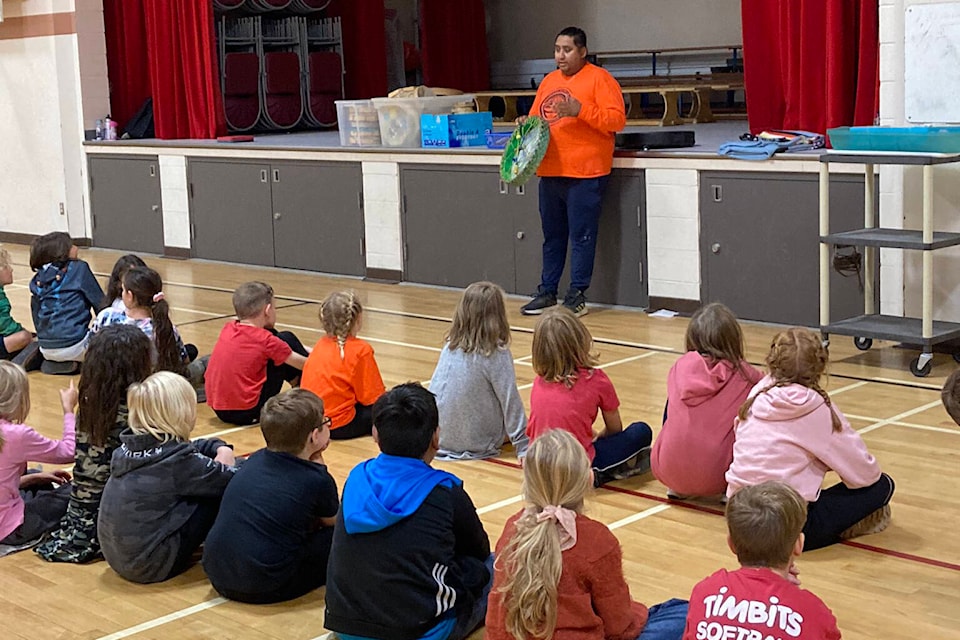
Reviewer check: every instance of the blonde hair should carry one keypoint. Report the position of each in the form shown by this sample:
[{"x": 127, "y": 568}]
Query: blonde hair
[
  {"x": 338, "y": 315},
  {"x": 14, "y": 394},
  {"x": 480, "y": 322},
  {"x": 561, "y": 346},
  {"x": 764, "y": 522},
  {"x": 556, "y": 472},
  {"x": 797, "y": 356},
  {"x": 4, "y": 258},
  {"x": 164, "y": 406},
  {"x": 714, "y": 332}
]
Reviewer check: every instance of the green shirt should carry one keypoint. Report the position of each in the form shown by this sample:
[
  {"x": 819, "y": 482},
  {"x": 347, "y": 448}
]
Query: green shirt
[{"x": 8, "y": 325}]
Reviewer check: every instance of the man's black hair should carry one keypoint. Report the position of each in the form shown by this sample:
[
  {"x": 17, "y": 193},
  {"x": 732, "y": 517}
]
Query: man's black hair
[
  {"x": 578, "y": 35},
  {"x": 406, "y": 418}
]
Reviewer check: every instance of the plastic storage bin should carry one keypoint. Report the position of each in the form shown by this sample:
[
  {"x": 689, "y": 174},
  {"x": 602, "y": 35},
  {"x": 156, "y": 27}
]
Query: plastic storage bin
[
  {"x": 359, "y": 123},
  {"x": 904, "y": 139},
  {"x": 400, "y": 117},
  {"x": 457, "y": 130}
]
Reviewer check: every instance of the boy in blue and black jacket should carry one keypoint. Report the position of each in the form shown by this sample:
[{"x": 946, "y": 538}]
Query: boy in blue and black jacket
[{"x": 410, "y": 558}]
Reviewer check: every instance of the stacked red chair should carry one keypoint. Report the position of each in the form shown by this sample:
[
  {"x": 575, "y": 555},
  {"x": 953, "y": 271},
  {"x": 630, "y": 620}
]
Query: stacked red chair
[
  {"x": 241, "y": 90},
  {"x": 324, "y": 87},
  {"x": 282, "y": 94}
]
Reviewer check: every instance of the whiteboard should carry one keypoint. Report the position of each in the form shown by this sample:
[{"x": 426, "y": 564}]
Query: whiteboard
[{"x": 932, "y": 63}]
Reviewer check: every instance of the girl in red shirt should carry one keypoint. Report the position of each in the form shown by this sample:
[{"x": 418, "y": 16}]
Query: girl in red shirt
[
  {"x": 559, "y": 574},
  {"x": 341, "y": 368},
  {"x": 569, "y": 391}
]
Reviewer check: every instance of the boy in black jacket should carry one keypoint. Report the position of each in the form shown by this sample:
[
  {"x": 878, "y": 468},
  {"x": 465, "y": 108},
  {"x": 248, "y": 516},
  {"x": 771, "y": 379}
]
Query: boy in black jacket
[{"x": 410, "y": 558}]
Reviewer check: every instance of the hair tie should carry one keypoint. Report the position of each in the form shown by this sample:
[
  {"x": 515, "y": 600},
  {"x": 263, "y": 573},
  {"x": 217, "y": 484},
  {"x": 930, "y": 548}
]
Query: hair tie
[
  {"x": 158, "y": 296},
  {"x": 566, "y": 524}
]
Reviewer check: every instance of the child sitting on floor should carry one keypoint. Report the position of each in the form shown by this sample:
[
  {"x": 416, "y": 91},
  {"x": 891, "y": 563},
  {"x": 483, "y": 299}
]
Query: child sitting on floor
[
  {"x": 761, "y": 599},
  {"x": 341, "y": 368},
  {"x": 475, "y": 383},
  {"x": 65, "y": 292},
  {"x": 16, "y": 343},
  {"x": 272, "y": 537},
  {"x": 569, "y": 390},
  {"x": 410, "y": 558},
  {"x": 31, "y": 504},
  {"x": 164, "y": 490},
  {"x": 789, "y": 430},
  {"x": 117, "y": 357},
  {"x": 113, "y": 295},
  {"x": 251, "y": 359},
  {"x": 705, "y": 389},
  {"x": 558, "y": 573}
]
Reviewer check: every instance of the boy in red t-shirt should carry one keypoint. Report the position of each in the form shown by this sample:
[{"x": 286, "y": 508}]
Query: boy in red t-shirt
[
  {"x": 251, "y": 359},
  {"x": 762, "y": 599}
]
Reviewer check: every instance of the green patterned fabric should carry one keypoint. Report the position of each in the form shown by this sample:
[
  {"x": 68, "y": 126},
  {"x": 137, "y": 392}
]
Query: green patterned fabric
[{"x": 525, "y": 151}]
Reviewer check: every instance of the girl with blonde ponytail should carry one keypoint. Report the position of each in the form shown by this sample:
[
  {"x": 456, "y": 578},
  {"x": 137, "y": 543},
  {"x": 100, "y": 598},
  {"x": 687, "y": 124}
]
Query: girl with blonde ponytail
[
  {"x": 559, "y": 574},
  {"x": 789, "y": 430},
  {"x": 341, "y": 368}
]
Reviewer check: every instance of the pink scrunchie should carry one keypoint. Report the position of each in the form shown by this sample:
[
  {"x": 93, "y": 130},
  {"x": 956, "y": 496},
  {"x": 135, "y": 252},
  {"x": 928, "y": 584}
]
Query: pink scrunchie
[
  {"x": 158, "y": 296},
  {"x": 566, "y": 524}
]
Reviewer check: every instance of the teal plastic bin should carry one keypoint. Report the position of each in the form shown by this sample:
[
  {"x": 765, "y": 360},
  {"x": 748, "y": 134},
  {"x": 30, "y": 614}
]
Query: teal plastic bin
[{"x": 905, "y": 139}]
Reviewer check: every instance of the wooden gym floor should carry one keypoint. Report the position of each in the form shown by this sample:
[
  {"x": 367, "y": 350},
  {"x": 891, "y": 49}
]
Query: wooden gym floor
[{"x": 902, "y": 583}]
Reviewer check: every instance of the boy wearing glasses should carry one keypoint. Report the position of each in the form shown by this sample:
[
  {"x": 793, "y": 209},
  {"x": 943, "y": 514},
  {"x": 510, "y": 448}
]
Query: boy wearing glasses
[{"x": 272, "y": 537}]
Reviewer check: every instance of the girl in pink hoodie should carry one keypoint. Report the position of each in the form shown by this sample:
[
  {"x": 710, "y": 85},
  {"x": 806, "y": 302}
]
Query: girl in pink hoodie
[
  {"x": 705, "y": 389},
  {"x": 789, "y": 430}
]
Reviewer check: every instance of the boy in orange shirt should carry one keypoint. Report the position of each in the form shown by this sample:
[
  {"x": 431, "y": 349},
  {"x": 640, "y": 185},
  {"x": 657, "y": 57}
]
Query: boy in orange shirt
[
  {"x": 341, "y": 368},
  {"x": 584, "y": 106}
]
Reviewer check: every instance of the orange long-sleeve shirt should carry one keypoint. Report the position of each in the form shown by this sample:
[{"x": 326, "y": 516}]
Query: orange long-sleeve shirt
[{"x": 580, "y": 147}]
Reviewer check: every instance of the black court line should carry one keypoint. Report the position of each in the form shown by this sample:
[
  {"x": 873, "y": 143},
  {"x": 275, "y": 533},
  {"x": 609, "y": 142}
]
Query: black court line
[{"x": 232, "y": 315}]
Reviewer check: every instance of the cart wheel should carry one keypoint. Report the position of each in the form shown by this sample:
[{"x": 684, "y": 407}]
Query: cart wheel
[
  {"x": 920, "y": 372},
  {"x": 863, "y": 344}
]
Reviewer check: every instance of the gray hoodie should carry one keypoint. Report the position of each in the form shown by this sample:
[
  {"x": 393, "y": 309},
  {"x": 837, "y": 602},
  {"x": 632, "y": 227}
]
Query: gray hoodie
[{"x": 153, "y": 490}]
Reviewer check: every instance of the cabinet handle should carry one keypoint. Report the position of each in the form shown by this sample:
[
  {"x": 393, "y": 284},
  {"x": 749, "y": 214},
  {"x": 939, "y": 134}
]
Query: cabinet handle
[
  {"x": 504, "y": 188},
  {"x": 519, "y": 235},
  {"x": 263, "y": 175},
  {"x": 715, "y": 247},
  {"x": 521, "y": 190},
  {"x": 717, "y": 192},
  {"x": 153, "y": 171},
  {"x": 155, "y": 208},
  {"x": 276, "y": 215},
  {"x": 276, "y": 175}
]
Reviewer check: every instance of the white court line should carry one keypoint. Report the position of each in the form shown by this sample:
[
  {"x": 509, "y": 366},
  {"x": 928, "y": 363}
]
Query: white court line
[
  {"x": 605, "y": 365},
  {"x": 905, "y": 414},
  {"x": 499, "y": 505},
  {"x": 849, "y": 387},
  {"x": 198, "y": 311},
  {"x": 217, "y": 434},
  {"x": 395, "y": 343},
  {"x": 910, "y": 425},
  {"x": 638, "y": 516},
  {"x": 176, "y": 615}
]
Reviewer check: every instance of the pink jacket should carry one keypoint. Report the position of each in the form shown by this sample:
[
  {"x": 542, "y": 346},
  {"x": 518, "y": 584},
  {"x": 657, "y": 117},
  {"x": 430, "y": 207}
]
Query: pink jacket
[
  {"x": 788, "y": 436},
  {"x": 21, "y": 445},
  {"x": 695, "y": 445}
]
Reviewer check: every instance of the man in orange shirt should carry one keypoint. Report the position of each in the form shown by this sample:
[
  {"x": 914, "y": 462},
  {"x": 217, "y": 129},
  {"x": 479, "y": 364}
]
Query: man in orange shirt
[{"x": 584, "y": 106}]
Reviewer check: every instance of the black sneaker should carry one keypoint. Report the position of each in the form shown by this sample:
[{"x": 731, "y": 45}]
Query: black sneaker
[
  {"x": 29, "y": 357},
  {"x": 542, "y": 301},
  {"x": 576, "y": 301}
]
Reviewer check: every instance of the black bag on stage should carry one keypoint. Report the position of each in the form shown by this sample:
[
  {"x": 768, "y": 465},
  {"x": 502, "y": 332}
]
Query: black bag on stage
[{"x": 141, "y": 124}]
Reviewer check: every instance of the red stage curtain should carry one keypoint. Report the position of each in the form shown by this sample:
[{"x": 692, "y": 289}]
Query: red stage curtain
[
  {"x": 810, "y": 64},
  {"x": 453, "y": 44},
  {"x": 364, "y": 46},
  {"x": 183, "y": 69},
  {"x": 127, "y": 65}
]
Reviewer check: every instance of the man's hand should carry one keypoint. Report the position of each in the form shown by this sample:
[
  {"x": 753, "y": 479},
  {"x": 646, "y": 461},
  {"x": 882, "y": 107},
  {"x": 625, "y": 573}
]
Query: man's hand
[{"x": 570, "y": 108}]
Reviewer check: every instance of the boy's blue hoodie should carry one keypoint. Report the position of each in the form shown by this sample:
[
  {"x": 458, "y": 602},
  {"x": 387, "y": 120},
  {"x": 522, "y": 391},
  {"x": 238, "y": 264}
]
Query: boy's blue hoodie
[
  {"x": 387, "y": 489},
  {"x": 63, "y": 295}
]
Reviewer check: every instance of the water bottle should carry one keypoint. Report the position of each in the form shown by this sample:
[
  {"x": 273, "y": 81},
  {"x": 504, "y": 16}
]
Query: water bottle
[{"x": 99, "y": 133}]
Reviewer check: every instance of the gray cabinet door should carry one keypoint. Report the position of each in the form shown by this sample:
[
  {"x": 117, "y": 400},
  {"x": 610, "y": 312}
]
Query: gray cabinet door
[
  {"x": 125, "y": 203},
  {"x": 457, "y": 226},
  {"x": 317, "y": 216},
  {"x": 759, "y": 244},
  {"x": 230, "y": 211},
  {"x": 619, "y": 270}
]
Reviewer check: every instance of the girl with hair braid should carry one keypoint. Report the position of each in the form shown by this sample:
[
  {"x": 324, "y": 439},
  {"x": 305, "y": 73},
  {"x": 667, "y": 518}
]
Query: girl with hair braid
[
  {"x": 341, "y": 368},
  {"x": 789, "y": 430},
  {"x": 559, "y": 574}
]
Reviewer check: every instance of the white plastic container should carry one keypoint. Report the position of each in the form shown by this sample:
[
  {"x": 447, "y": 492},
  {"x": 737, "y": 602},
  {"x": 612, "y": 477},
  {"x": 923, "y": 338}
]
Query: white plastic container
[
  {"x": 358, "y": 122},
  {"x": 400, "y": 117}
]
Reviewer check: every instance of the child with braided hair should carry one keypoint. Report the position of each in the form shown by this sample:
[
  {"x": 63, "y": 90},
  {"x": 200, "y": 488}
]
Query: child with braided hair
[
  {"x": 789, "y": 430},
  {"x": 341, "y": 368}
]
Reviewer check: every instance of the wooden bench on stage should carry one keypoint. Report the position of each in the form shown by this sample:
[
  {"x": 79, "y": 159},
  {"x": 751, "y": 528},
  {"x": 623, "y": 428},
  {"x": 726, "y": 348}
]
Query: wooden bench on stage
[{"x": 670, "y": 90}]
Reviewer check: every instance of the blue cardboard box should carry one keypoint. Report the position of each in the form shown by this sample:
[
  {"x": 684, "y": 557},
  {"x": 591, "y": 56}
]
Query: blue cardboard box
[{"x": 458, "y": 130}]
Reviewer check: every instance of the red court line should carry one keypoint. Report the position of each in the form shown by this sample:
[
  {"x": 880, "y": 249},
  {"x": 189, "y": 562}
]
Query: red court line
[{"x": 695, "y": 507}]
